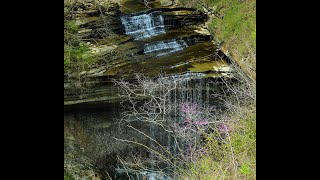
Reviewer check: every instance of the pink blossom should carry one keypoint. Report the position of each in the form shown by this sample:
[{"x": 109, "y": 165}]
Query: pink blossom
[
  {"x": 189, "y": 108},
  {"x": 223, "y": 127},
  {"x": 201, "y": 122}
]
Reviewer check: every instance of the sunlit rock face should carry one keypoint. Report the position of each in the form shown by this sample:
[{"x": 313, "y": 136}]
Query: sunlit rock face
[{"x": 132, "y": 38}]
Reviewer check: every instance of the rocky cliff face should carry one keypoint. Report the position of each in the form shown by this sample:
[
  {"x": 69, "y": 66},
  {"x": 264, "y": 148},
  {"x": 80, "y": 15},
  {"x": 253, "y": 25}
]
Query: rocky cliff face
[
  {"x": 119, "y": 40},
  {"x": 134, "y": 38}
]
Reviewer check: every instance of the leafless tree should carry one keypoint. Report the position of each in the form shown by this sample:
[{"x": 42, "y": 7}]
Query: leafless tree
[{"x": 152, "y": 101}]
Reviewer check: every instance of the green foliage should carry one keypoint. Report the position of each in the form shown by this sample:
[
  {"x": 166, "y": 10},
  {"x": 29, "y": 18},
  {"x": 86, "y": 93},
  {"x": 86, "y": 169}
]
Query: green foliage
[
  {"x": 71, "y": 26},
  {"x": 76, "y": 51},
  {"x": 67, "y": 176},
  {"x": 76, "y": 54},
  {"x": 244, "y": 138},
  {"x": 253, "y": 37},
  {"x": 238, "y": 22},
  {"x": 234, "y": 23},
  {"x": 245, "y": 169},
  {"x": 238, "y": 149}
]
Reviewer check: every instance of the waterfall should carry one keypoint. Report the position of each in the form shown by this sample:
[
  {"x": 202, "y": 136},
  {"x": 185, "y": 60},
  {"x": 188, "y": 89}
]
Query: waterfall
[
  {"x": 165, "y": 47},
  {"x": 190, "y": 88},
  {"x": 179, "y": 78},
  {"x": 144, "y": 25}
]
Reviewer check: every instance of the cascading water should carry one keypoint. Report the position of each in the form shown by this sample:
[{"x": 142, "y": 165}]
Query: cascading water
[
  {"x": 190, "y": 88},
  {"x": 144, "y": 25},
  {"x": 165, "y": 47},
  {"x": 157, "y": 36}
]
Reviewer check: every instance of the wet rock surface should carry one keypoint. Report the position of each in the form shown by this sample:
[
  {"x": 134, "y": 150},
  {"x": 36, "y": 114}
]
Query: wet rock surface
[
  {"x": 127, "y": 39},
  {"x": 168, "y": 40}
]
